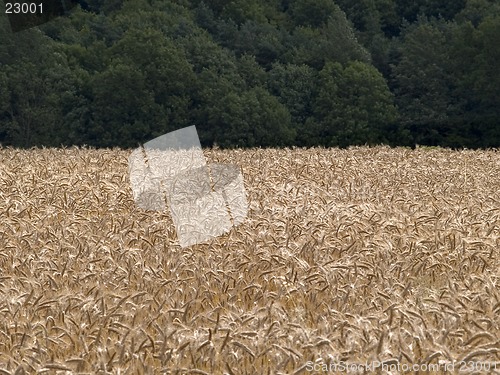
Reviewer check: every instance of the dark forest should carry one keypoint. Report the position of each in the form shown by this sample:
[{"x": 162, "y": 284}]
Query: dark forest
[{"x": 255, "y": 73}]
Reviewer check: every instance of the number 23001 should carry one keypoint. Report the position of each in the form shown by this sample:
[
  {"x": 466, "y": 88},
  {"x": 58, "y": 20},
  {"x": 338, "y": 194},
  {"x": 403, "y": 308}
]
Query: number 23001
[{"x": 24, "y": 8}]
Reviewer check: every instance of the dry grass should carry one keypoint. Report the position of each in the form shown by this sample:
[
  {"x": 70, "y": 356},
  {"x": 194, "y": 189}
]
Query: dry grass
[{"x": 348, "y": 255}]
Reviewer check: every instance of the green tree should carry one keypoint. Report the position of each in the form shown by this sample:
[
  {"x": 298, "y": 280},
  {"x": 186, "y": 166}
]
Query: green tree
[
  {"x": 487, "y": 72},
  {"x": 102, "y": 6},
  {"x": 250, "y": 71},
  {"x": 35, "y": 79},
  {"x": 216, "y": 5},
  {"x": 205, "y": 17},
  {"x": 311, "y": 13},
  {"x": 242, "y": 11},
  {"x": 336, "y": 41},
  {"x": 482, "y": 83},
  {"x": 168, "y": 75},
  {"x": 354, "y": 105},
  {"x": 213, "y": 91},
  {"x": 425, "y": 83},
  {"x": 255, "y": 118},
  {"x": 367, "y": 15},
  {"x": 295, "y": 87},
  {"x": 4, "y": 105},
  {"x": 262, "y": 40},
  {"x": 123, "y": 110},
  {"x": 475, "y": 11},
  {"x": 410, "y": 10},
  {"x": 267, "y": 119},
  {"x": 31, "y": 110}
]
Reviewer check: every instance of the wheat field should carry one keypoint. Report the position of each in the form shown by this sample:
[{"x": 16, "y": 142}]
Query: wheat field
[{"x": 347, "y": 256}]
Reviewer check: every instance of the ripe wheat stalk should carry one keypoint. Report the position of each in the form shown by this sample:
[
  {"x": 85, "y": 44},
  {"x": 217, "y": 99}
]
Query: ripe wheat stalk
[{"x": 354, "y": 255}]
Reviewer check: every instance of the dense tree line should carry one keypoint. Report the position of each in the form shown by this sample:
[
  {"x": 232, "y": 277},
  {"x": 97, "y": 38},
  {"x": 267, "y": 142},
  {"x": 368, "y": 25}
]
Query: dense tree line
[{"x": 256, "y": 73}]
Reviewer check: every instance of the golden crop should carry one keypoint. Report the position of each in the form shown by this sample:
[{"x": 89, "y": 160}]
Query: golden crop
[{"x": 347, "y": 255}]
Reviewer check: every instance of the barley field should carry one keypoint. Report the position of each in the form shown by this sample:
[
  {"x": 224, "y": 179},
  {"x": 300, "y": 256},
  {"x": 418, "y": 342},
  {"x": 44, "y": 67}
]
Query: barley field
[{"x": 364, "y": 255}]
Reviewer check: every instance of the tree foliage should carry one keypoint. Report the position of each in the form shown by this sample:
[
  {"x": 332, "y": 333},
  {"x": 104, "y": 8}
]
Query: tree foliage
[
  {"x": 354, "y": 104},
  {"x": 256, "y": 73}
]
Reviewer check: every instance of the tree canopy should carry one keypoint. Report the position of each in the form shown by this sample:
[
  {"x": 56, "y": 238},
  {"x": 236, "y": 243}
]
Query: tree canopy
[{"x": 255, "y": 73}]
